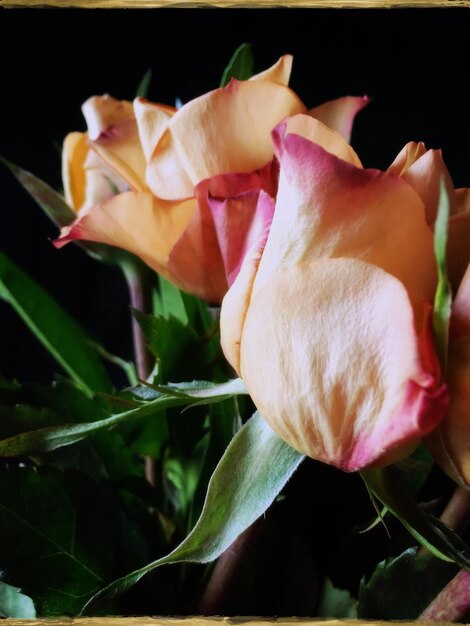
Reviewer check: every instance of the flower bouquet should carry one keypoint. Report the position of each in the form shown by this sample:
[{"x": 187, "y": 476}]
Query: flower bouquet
[{"x": 301, "y": 327}]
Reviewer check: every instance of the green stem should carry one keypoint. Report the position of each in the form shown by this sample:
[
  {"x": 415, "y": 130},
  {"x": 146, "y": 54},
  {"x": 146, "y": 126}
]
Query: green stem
[
  {"x": 452, "y": 603},
  {"x": 139, "y": 282}
]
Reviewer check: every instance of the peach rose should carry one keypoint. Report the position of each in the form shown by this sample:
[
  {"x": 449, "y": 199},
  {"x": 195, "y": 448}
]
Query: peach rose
[
  {"x": 329, "y": 321},
  {"x": 201, "y": 179}
]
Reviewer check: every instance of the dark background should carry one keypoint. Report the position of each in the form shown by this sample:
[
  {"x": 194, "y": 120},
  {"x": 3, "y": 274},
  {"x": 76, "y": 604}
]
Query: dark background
[{"x": 413, "y": 63}]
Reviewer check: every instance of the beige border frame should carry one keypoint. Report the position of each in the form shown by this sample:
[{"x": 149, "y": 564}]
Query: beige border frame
[
  {"x": 148, "y": 4},
  {"x": 318, "y": 4}
]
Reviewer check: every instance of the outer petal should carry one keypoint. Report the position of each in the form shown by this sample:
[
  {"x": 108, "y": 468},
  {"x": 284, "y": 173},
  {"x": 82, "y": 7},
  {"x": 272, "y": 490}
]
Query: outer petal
[
  {"x": 450, "y": 443},
  {"x": 103, "y": 112},
  {"x": 236, "y": 303},
  {"x": 229, "y": 216},
  {"x": 279, "y": 72},
  {"x": 316, "y": 132},
  {"x": 458, "y": 248},
  {"x": 328, "y": 208},
  {"x": 137, "y": 222},
  {"x": 152, "y": 121},
  {"x": 226, "y": 130},
  {"x": 330, "y": 357},
  {"x": 241, "y": 215},
  {"x": 423, "y": 170},
  {"x": 340, "y": 114},
  {"x": 74, "y": 154},
  {"x": 87, "y": 180},
  {"x": 113, "y": 133}
]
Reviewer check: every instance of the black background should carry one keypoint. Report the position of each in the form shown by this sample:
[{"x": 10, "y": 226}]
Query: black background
[{"x": 414, "y": 63}]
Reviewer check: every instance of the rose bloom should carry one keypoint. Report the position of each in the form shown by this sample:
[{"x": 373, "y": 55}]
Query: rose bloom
[
  {"x": 329, "y": 320},
  {"x": 144, "y": 176}
]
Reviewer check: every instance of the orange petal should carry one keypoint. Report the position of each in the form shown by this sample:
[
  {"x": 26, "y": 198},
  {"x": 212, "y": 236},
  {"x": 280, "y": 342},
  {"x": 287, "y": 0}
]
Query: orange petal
[
  {"x": 328, "y": 208},
  {"x": 279, "y": 72},
  {"x": 113, "y": 132},
  {"x": 235, "y": 305},
  {"x": 462, "y": 200},
  {"x": 103, "y": 112},
  {"x": 450, "y": 444},
  {"x": 458, "y": 248},
  {"x": 330, "y": 357},
  {"x": 424, "y": 172},
  {"x": 316, "y": 131},
  {"x": 340, "y": 114},
  {"x": 136, "y": 222},
  {"x": 152, "y": 121},
  {"x": 226, "y": 130},
  {"x": 74, "y": 153}
]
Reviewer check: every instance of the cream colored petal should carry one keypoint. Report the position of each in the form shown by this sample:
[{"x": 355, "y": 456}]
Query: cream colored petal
[
  {"x": 424, "y": 172},
  {"x": 226, "y": 130},
  {"x": 102, "y": 183},
  {"x": 74, "y": 153},
  {"x": 136, "y": 222},
  {"x": 235, "y": 306},
  {"x": 330, "y": 357},
  {"x": 339, "y": 114},
  {"x": 328, "y": 208},
  {"x": 279, "y": 72},
  {"x": 152, "y": 121},
  {"x": 102, "y": 112},
  {"x": 406, "y": 157},
  {"x": 120, "y": 148},
  {"x": 330, "y": 140}
]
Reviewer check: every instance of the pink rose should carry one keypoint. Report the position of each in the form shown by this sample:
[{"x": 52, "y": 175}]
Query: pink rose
[
  {"x": 329, "y": 321},
  {"x": 201, "y": 182}
]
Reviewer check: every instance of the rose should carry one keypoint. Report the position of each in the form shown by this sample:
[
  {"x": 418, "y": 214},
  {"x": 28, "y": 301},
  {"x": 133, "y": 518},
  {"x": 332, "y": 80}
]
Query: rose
[
  {"x": 330, "y": 325},
  {"x": 218, "y": 146}
]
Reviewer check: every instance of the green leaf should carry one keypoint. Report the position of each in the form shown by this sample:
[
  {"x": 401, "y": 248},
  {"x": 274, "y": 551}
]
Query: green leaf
[
  {"x": 51, "y": 438},
  {"x": 402, "y": 587},
  {"x": 45, "y": 548},
  {"x": 53, "y": 327},
  {"x": 51, "y": 202},
  {"x": 240, "y": 65},
  {"x": 336, "y": 603},
  {"x": 144, "y": 85},
  {"x": 255, "y": 467},
  {"x": 174, "y": 345},
  {"x": 443, "y": 297},
  {"x": 445, "y": 545},
  {"x": 15, "y": 604}
]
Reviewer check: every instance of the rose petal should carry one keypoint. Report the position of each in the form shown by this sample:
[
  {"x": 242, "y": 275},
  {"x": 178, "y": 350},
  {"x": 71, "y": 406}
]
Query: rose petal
[
  {"x": 136, "y": 222},
  {"x": 336, "y": 371},
  {"x": 279, "y": 72},
  {"x": 120, "y": 148},
  {"x": 424, "y": 172},
  {"x": 235, "y": 305},
  {"x": 152, "y": 121},
  {"x": 458, "y": 248},
  {"x": 239, "y": 213},
  {"x": 462, "y": 201},
  {"x": 327, "y": 208},
  {"x": 450, "y": 443},
  {"x": 316, "y": 132},
  {"x": 74, "y": 153},
  {"x": 229, "y": 131},
  {"x": 103, "y": 112},
  {"x": 339, "y": 114}
]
